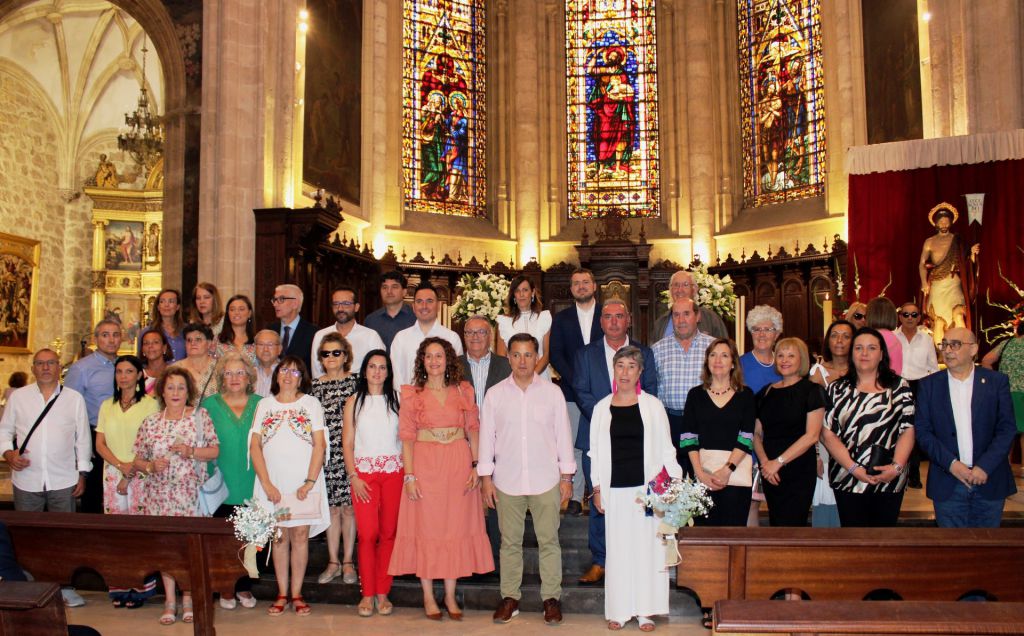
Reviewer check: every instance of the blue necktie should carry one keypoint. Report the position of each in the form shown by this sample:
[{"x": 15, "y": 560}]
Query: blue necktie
[{"x": 287, "y": 339}]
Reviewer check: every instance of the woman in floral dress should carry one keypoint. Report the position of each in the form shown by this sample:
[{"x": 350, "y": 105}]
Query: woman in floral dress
[
  {"x": 288, "y": 446},
  {"x": 169, "y": 449},
  {"x": 332, "y": 389}
]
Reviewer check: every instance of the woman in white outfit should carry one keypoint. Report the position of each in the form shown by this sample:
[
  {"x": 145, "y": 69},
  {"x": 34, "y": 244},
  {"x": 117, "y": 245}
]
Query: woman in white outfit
[
  {"x": 526, "y": 314},
  {"x": 288, "y": 445},
  {"x": 629, "y": 445}
]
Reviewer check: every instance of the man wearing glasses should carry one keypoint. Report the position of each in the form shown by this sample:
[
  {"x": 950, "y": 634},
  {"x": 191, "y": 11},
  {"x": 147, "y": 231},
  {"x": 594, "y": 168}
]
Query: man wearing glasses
[
  {"x": 964, "y": 423},
  {"x": 918, "y": 361},
  {"x": 681, "y": 286},
  {"x": 296, "y": 332},
  {"x": 268, "y": 351},
  {"x": 362, "y": 339}
]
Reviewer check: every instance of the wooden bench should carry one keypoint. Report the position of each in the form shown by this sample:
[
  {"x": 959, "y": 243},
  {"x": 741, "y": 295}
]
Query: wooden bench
[
  {"x": 922, "y": 564},
  {"x": 868, "y": 617},
  {"x": 31, "y": 609},
  {"x": 201, "y": 553}
]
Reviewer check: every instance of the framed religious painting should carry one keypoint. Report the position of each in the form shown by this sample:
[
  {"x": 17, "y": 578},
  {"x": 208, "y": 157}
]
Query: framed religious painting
[
  {"x": 19, "y": 277},
  {"x": 122, "y": 245},
  {"x": 128, "y": 310}
]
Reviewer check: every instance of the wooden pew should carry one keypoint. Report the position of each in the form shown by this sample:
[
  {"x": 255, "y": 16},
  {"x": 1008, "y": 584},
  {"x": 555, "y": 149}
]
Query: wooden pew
[
  {"x": 923, "y": 564},
  {"x": 868, "y": 617},
  {"x": 31, "y": 608},
  {"x": 201, "y": 553}
]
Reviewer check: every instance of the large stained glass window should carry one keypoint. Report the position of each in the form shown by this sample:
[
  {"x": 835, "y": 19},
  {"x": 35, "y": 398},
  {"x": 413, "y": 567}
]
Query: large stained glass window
[
  {"x": 612, "y": 108},
  {"x": 781, "y": 98},
  {"x": 443, "y": 93}
]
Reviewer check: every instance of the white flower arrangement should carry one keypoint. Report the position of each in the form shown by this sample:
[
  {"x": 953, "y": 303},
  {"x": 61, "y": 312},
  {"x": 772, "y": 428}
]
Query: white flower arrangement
[
  {"x": 482, "y": 294},
  {"x": 676, "y": 502},
  {"x": 714, "y": 292},
  {"x": 255, "y": 526}
]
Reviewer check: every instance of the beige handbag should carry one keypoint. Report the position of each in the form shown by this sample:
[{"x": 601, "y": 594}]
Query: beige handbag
[{"x": 743, "y": 476}]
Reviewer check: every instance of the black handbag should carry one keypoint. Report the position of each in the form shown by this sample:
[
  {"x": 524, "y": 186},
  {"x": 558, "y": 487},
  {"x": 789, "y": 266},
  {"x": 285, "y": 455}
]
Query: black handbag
[{"x": 878, "y": 456}]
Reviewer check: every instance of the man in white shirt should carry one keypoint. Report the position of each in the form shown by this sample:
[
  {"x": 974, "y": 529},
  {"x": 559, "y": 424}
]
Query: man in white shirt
[
  {"x": 50, "y": 473},
  {"x": 407, "y": 341},
  {"x": 919, "y": 360},
  {"x": 362, "y": 339},
  {"x": 268, "y": 351}
]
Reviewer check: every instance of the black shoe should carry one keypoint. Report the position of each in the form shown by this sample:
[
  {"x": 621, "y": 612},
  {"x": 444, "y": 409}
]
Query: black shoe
[
  {"x": 574, "y": 508},
  {"x": 915, "y": 483}
]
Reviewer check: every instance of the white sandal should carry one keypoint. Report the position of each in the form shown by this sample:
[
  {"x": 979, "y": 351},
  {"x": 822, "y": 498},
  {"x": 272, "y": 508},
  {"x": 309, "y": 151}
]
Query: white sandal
[{"x": 170, "y": 613}]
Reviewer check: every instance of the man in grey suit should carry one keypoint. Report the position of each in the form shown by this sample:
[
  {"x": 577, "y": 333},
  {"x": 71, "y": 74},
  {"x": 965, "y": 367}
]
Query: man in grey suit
[
  {"x": 483, "y": 369},
  {"x": 680, "y": 286}
]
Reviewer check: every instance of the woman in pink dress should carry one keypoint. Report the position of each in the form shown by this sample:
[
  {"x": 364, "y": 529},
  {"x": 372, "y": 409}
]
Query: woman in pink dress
[{"x": 440, "y": 524}]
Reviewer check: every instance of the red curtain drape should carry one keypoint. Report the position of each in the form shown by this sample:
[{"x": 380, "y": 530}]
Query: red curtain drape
[{"x": 888, "y": 223}]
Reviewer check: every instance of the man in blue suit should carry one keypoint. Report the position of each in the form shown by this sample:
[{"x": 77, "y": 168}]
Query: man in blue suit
[
  {"x": 965, "y": 424},
  {"x": 592, "y": 381},
  {"x": 571, "y": 330}
]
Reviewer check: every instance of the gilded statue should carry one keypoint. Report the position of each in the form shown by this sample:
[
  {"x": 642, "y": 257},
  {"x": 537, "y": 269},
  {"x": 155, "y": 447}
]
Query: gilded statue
[
  {"x": 948, "y": 274},
  {"x": 106, "y": 173}
]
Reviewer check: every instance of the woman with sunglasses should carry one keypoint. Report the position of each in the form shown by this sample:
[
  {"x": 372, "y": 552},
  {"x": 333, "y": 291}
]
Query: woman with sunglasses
[
  {"x": 287, "y": 445},
  {"x": 333, "y": 389}
]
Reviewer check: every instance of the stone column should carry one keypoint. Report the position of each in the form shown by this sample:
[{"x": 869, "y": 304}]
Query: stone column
[
  {"x": 525, "y": 168},
  {"x": 248, "y": 102}
]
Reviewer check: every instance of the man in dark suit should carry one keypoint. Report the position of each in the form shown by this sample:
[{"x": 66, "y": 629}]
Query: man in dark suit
[
  {"x": 592, "y": 381},
  {"x": 483, "y": 368},
  {"x": 296, "y": 332},
  {"x": 965, "y": 424},
  {"x": 571, "y": 330}
]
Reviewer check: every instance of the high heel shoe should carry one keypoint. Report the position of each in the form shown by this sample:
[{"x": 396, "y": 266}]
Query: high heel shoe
[
  {"x": 434, "y": 616},
  {"x": 456, "y": 615}
]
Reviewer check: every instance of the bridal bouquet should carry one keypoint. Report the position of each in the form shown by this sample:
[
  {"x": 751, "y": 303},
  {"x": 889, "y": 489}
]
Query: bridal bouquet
[
  {"x": 255, "y": 526},
  {"x": 482, "y": 294},
  {"x": 676, "y": 502},
  {"x": 714, "y": 292}
]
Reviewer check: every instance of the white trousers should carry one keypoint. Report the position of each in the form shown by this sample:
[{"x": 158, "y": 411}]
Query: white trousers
[{"x": 635, "y": 579}]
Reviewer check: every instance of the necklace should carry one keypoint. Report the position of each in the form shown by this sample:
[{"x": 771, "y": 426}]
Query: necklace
[
  {"x": 771, "y": 362},
  {"x": 719, "y": 393},
  {"x": 125, "y": 406}
]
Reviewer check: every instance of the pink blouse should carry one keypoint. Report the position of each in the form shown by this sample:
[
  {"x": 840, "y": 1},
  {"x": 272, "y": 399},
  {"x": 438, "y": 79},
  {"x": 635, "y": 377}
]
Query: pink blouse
[{"x": 420, "y": 409}]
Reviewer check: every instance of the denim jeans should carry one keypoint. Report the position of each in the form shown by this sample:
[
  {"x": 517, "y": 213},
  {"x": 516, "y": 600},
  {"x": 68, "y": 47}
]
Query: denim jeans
[
  {"x": 966, "y": 509},
  {"x": 595, "y": 528}
]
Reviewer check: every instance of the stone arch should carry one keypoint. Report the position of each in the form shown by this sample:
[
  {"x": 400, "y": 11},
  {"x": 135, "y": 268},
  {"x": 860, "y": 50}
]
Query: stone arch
[{"x": 155, "y": 20}]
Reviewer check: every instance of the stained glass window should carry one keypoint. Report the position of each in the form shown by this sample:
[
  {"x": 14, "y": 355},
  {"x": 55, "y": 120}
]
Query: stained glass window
[
  {"x": 443, "y": 95},
  {"x": 782, "y": 100},
  {"x": 612, "y": 108}
]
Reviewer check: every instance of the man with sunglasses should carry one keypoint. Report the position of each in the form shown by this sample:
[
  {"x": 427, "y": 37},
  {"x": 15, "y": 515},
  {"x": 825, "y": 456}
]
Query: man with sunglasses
[
  {"x": 964, "y": 423},
  {"x": 295, "y": 331},
  {"x": 362, "y": 339},
  {"x": 918, "y": 361}
]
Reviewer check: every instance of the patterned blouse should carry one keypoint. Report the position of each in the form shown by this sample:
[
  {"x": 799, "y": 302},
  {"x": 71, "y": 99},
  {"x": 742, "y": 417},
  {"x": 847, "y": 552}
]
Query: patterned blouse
[{"x": 861, "y": 420}]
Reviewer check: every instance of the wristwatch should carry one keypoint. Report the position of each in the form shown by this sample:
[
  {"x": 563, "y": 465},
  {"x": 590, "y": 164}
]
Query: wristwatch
[
  {"x": 732, "y": 466},
  {"x": 898, "y": 468},
  {"x": 781, "y": 460}
]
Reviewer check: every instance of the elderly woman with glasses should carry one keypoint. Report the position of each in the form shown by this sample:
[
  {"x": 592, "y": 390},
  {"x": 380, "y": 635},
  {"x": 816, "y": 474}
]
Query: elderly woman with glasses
[
  {"x": 199, "y": 361},
  {"x": 764, "y": 323},
  {"x": 630, "y": 445},
  {"x": 333, "y": 389},
  {"x": 288, "y": 445}
]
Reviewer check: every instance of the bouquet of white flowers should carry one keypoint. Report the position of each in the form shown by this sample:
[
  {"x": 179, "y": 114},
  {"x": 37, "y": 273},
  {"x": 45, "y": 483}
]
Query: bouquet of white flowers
[
  {"x": 482, "y": 294},
  {"x": 714, "y": 292},
  {"x": 255, "y": 526},
  {"x": 676, "y": 502}
]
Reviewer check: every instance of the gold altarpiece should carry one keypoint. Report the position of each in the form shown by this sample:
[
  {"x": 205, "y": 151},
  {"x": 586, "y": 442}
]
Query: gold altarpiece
[{"x": 127, "y": 248}]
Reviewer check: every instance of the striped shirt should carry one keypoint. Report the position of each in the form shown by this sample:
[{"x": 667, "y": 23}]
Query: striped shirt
[{"x": 679, "y": 370}]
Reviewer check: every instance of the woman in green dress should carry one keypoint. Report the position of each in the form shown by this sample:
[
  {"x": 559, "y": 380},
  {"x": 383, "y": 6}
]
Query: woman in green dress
[{"x": 1009, "y": 355}]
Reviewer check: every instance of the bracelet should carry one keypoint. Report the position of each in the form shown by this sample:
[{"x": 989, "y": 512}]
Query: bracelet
[
  {"x": 409, "y": 477},
  {"x": 853, "y": 468},
  {"x": 567, "y": 480},
  {"x": 474, "y": 463},
  {"x": 309, "y": 481},
  {"x": 898, "y": 468}
]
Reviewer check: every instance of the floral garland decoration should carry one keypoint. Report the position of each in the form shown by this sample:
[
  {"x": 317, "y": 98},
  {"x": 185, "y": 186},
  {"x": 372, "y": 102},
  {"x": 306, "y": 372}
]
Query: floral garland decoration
[
  {"x": 714, "y": 292},
  {"x": 483, "y": 294}
]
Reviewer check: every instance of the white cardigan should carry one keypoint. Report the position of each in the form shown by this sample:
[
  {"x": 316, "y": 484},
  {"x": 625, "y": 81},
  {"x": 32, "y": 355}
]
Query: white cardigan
[{"x": 658, "y": 450}]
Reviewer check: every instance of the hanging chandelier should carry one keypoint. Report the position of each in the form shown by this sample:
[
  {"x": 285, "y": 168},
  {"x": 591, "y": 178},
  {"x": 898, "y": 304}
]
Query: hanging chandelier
[{"x": 142, "y": 136}]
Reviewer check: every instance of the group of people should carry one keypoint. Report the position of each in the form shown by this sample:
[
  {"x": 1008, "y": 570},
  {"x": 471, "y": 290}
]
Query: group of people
[{"x": 425, "y": 451}]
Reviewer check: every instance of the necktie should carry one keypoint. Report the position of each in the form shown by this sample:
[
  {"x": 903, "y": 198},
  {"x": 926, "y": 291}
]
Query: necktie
[{"x": 287, "y": 338}]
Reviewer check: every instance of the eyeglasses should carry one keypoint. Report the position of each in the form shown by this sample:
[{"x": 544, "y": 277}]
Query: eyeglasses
[
  {"x": 197, "y": 340},
  {"x": 953, "y": 345},
  {"x": 292, "y": 372},
  {"x": 277, "y": 300},
  {"x": 763, "y": 329},
  {"x": 910, "y": 314},
  {"x": 46, "y": 363},
  {"x": 858, "y": 316},
  {"x": 343, "y": 303},
  {"x": 476, "y": 333},
  {"x": 237, "y": 373},
  {"x": 267, "y": 345},
  {"x": 332, "y": 352}
]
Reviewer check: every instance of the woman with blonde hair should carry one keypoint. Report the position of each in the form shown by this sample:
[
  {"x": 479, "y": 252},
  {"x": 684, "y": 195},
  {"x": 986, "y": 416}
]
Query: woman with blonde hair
[{"x": 205, "y": 307}]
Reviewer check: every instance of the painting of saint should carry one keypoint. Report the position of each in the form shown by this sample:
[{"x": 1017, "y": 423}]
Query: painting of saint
[
  {"x": 456, "y": 147},
  {"x": 432, "y": 140},
  {"x": 612, "y": 100},
  {"x": 18, "y": 258},
  {"x": 123, "y": 249}
]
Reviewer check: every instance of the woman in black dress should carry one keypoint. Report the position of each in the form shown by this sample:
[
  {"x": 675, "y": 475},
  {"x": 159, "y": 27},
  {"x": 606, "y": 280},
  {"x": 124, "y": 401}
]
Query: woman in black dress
[
  {"x": 718, "y": 427},
  {"x": 789, "y": 417},
  {"x": 869, "y": 433}
]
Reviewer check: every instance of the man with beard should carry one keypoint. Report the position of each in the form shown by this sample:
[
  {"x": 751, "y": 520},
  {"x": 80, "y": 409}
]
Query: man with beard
[
  {"x": 947, "y": 274},
  {"x": 362, "y": 339}
]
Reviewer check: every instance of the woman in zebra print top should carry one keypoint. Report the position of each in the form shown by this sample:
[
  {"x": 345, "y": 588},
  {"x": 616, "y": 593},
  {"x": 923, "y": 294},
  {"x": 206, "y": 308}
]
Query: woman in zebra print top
[{"x": 871, "y": 414}]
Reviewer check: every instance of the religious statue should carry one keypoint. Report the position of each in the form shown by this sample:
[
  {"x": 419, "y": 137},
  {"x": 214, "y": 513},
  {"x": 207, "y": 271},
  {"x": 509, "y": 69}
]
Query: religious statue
[
  {"x": 106, "y": 173},
  {"x": 613, "y": 101},
  {"x": 947, "y": 274},
  {"x": 151, "y": 244}
]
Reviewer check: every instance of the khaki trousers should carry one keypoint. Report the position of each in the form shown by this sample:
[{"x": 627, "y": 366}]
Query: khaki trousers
[{"x": 545, "y": 511}]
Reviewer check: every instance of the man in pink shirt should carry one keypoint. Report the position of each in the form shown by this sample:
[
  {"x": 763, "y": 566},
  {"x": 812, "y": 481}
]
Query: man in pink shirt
[{"x": 525, "y": 423}]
